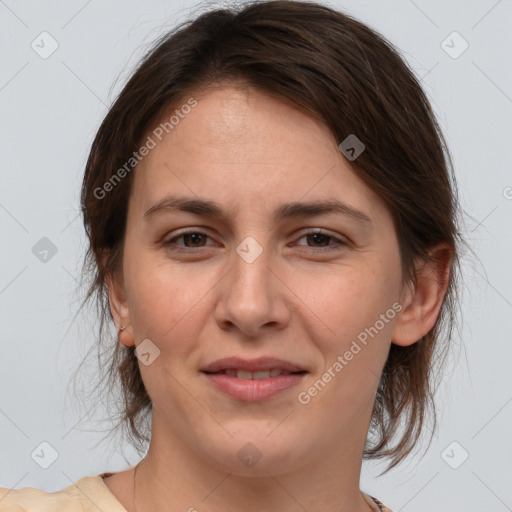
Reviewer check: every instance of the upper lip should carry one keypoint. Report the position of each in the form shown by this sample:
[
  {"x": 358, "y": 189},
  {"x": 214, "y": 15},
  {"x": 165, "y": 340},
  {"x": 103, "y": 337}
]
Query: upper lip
[{"x": 251, "y": 365}]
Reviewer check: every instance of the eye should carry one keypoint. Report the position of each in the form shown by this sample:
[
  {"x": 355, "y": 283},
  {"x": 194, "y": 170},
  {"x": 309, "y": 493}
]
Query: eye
[
  {"x": 192, "y": 239},
  {"x": 319, "y": 239}
]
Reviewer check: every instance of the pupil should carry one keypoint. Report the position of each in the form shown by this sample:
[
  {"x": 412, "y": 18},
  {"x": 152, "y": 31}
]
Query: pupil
[
  {"x": 319, "y": 235},
  {"x": 196, "y": 237}
]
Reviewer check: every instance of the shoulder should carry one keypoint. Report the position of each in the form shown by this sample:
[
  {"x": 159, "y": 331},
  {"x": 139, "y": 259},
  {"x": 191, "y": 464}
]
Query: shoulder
[
  {"x": 30, "y": 499},
  {"x": 87, "y": 494}
]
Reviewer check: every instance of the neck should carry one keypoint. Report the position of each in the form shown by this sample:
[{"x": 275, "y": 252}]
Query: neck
[{"x": 174, "y": 476}]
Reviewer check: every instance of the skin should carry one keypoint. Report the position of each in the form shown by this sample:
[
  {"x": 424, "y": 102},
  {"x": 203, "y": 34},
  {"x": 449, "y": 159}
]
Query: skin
[{"x": 250, "y": 153}]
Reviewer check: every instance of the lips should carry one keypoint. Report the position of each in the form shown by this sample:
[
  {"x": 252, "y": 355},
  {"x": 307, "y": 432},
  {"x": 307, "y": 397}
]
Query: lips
[
  {"x": 261, "y": 368},
  {"x": 263, "y": 374},
  {"x": 253, "y": 380},
  {"x": 253, "y": 390}
]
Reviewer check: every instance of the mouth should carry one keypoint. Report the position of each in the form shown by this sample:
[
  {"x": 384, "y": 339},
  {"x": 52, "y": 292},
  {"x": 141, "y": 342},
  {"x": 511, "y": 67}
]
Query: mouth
[
  {"x": 257, "y": 375},
  {"x": 253, "y": 380},
  {"x": 238, "y": 365}
]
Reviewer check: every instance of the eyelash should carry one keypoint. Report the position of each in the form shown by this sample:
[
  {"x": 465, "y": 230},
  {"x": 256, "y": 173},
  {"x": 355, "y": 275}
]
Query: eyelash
[{"x": 339, "y": 245}]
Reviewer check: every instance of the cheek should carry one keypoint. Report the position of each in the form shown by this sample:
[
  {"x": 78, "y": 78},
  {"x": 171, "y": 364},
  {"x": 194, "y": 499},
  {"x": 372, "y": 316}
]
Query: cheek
[
  {"x": 345, "y": 300},
  {"x": 162, "y": 297},
  {"x": 165, "y": 307},
  {"x": 349, "y": 326},
  {"x": 355, "y": 345}
]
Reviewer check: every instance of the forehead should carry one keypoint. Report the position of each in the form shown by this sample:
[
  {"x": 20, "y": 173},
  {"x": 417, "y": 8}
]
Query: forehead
[{"x": 243, "y": 147}]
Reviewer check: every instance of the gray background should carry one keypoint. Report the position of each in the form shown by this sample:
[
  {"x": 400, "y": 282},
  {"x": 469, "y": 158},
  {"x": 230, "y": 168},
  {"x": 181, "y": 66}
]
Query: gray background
[{"x": 50, "y": 109}]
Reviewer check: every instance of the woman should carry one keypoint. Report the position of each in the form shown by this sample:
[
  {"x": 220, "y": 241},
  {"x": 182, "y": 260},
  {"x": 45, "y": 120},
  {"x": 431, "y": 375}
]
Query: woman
[{"x": 272, "y": 219}]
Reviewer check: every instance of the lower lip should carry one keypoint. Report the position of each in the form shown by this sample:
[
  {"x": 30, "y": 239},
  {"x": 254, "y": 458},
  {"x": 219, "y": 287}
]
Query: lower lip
[{"x": 253, "y": 390}]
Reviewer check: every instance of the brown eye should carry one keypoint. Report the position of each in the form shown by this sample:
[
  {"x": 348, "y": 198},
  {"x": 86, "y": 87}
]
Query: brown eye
[
  {"x": 191, "y": 240},
  {"x": 321, "y": 240},
  {"x": 318, "y": 238}
]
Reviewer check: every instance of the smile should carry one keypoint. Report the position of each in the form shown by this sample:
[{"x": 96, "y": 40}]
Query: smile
[
  {"x": 263, "y": 374},
  {"x": 248, "y": 386}
]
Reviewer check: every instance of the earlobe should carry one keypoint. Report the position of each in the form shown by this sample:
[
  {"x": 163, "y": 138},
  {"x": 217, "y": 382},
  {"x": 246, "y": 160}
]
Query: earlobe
[
  {"x": 120, "y": 311},
  {"x": 423, "y": 301}
]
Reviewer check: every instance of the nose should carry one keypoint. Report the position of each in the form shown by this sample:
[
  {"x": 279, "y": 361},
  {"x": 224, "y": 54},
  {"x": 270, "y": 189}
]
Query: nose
[{"x": 253, "y": 299}]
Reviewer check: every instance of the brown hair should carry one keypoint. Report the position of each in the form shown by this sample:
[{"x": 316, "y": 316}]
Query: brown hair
[{"x": 352, "y": 79}]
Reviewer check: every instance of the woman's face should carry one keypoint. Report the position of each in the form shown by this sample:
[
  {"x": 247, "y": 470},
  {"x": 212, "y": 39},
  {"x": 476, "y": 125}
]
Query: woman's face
[{"x": 252, "y": 283}]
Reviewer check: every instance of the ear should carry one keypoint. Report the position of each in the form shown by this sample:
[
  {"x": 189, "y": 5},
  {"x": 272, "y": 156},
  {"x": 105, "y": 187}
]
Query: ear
[
  {"x": 422, "y": 303},
  {"x": 119, "y": 309}
]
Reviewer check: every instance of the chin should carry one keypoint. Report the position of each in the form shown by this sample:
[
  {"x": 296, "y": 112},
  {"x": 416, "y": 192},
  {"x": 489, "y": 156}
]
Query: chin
[{"x": 257, "y": 454}]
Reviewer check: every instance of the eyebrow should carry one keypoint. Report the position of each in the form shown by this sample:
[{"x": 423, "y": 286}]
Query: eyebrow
[{"x": 206, "y": 208}]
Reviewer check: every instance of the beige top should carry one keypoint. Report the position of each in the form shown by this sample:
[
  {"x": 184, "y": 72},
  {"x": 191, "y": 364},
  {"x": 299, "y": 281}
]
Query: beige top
[{"x": 89, "y": 494}]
